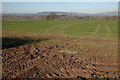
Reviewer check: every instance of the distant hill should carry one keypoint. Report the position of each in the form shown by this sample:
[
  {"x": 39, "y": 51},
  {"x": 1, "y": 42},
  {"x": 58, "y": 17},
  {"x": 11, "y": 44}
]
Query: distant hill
[
  {"x": 113, "y": 13},
  {"x": 63, "y": 13},
  {"x": 59, "y": 13}
]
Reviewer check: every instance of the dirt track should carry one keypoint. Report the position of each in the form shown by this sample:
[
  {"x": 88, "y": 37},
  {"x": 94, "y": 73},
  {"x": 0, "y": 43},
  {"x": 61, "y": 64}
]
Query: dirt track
[{"x": 62, "y": 58}]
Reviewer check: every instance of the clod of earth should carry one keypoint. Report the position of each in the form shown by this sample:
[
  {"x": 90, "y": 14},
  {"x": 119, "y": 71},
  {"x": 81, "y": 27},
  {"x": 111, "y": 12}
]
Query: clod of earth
[{"x": 46, "y": 60}]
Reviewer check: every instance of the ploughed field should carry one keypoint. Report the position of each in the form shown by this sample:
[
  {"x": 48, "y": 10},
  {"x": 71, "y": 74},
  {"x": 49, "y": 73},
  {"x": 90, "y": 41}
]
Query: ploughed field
[{"x": 64, "y": 49}]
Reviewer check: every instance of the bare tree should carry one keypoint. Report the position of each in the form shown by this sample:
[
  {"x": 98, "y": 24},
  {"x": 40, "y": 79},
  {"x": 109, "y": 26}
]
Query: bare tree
[{"x": 52, "y": 16}]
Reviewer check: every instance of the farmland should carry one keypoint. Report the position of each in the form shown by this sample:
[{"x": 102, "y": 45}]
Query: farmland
[
  {"x": 60, "y": 49},
  {"x": 95, "y": 29}
]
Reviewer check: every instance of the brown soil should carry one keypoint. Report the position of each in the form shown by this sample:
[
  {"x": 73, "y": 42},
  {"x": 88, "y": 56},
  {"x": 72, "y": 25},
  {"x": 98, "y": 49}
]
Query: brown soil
[{"x": 62, "y": 58}]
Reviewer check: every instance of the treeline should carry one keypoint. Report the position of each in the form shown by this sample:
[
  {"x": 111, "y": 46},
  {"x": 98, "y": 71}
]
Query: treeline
[{"x": 54, "y": 16}]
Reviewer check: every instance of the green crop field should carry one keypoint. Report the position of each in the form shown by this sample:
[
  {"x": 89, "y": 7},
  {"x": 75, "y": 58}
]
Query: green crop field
[{"x": 74, "y": 28}]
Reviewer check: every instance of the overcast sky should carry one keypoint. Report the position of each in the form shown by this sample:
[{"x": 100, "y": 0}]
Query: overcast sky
[{"x": 80, "y": 7}]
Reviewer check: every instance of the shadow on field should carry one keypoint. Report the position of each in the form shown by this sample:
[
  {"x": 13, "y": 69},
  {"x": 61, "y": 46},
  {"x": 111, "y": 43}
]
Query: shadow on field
[{"x": 14, "y": 42}]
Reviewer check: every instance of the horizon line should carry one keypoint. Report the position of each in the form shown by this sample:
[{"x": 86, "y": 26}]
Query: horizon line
[{"x": 62, "y": 11}]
